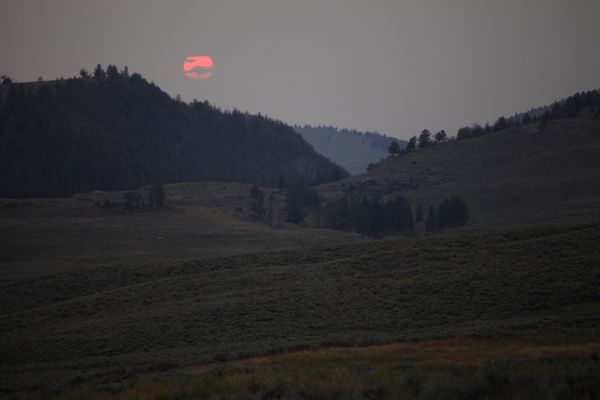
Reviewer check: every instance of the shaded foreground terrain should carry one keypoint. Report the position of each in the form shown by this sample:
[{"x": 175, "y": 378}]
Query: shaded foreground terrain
[
  {"x": 441, "y": 369},
  {"x": 100, "y": 328}
]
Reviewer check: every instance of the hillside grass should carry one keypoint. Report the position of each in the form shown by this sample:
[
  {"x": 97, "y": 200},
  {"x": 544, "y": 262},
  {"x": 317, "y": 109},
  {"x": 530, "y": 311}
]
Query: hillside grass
[
  {"x": 459, "y": 368},
  {"x": 113, "y": 323},
  {"x": 45, "y": 236},
  {"x": 519, "y": 176}
]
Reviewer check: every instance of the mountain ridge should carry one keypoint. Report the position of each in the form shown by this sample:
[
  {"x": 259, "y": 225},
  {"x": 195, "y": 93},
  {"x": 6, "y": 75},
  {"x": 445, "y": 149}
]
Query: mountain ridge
[
  {"x": 116, "y": 131},
  {"x": 354, "y": 150},
  {"x": 524, "y": 174}
]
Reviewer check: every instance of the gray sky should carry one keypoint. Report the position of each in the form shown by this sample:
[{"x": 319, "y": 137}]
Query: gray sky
[{"x": 392, "y": 66}]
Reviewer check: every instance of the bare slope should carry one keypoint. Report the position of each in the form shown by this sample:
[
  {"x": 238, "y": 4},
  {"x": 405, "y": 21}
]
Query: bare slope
[{"x": 520, "y": 175}]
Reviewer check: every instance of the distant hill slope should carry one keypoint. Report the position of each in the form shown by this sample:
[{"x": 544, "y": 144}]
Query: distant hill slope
[
  {"x": 351, "y": 149},
  {"x": 116, "y": 131},
  {"x": 525, "y": 174}
]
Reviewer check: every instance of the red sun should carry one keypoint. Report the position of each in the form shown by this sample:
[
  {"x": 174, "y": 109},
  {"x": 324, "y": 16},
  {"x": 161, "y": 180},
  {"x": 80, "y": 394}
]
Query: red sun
[{"x": 198, "y": 67}]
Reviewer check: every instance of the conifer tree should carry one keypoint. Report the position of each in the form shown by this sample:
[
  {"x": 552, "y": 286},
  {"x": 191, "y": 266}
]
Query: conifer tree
[
  {"x": 156, "y": 196},
  {"x": 412, "y": 144},
  {"x": 431, "y": 220},
  {"x": 419, "y": 213},
  {"x": 424, "y": 138}
]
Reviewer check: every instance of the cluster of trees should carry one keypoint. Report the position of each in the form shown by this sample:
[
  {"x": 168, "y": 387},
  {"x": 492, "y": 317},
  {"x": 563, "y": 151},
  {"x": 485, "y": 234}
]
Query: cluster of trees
[
  {"x": 568, "y": 108},
  {"x": 425, "y": 138},
  {"x": 112, "y": 130},
  {"x": 133, "y": 201},
  {"x": 261, "y": 207},
  {"x": 156, "y": 196},
  {"x": 360, "y": 213},
  {"x": 300, "y": 200},
  {"x": 368, "y": 215},
  {"x": 450, "y": 213}
]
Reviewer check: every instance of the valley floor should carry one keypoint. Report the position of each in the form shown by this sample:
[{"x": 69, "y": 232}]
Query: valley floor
[
  {"x": 195, "y": 301},
  {"x": 107, "y": 326}
]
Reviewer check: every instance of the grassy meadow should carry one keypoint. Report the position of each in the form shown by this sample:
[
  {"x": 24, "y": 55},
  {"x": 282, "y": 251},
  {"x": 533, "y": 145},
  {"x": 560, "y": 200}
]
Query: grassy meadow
[
  {"x": 460, "y": 368},
  {"x": 44, "y": 236},
  {"x": 103, "y": 325},
  {"x": 199, "y": 300}
]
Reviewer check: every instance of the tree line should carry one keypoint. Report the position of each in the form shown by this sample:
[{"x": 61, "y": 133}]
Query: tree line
[
  {"x": 450, "y": 213},
  {"x": 567, "y": 108},
  {"x": 369, "y": 216},
  {"x": 359, "y": 213},
  {"x": 425, "y": 139},
  {"x": 133, "y": 201},
  {"x": 300, "y": 200}
]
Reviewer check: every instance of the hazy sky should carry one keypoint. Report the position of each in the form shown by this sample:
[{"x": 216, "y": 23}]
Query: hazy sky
[{"x": 393, "y": 66}]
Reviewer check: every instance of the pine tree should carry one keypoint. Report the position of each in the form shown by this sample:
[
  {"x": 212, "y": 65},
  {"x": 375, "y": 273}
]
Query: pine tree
[
  {"x": 257, "y": 202},
  {"x": 156, "y": 196},
  {"x": 441, "y": 137},
  {"x": 316, "y": 206},
  {"x": 501, "y": 124},
  {"x": 419, "y": 215},
  {"x": 451, "y": 212},
  {"x": 412, "y": 144},
  {"x": 99, "y": 73},
  {"x": 424, "y": 138},
  {"x": 132, "y": 202},
  {"x": 281, "y": 182},
  {"x": 112, "y": 72},
  {"x": 294, "y": 208},
  {"x": 431, "y": 220},
  {"x": 270, "y": 210}
]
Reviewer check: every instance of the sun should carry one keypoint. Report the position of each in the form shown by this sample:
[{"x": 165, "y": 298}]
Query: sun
[{"x": 198, "y": 67}]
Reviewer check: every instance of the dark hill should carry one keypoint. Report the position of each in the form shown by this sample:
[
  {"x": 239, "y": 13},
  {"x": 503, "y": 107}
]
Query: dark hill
[
  {"x": 115, "y": 132},
  {"x": 533, "y": 173},
  {"x": 353, "y": 150}
]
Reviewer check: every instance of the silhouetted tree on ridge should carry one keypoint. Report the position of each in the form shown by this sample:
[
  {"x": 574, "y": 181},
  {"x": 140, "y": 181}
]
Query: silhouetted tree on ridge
[
  {"x": 424, "y": 138},
  {"x": 412, "y": 144}
]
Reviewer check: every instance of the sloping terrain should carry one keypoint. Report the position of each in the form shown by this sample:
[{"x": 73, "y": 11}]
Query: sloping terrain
[
  {"x": 116, "y": 321},
  {"x": 458, "y": 368},
  {"x": 201, "y": 220},
  {"x": 118, "y": 132},
  {"x": 522, "y": 175},
  {"x": 352, "y": 150}
]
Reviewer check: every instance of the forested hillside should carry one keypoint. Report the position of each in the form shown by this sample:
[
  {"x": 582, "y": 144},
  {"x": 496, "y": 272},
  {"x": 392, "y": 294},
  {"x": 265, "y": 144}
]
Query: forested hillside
[
  {"x": 538, "y": 172},
  {"x": 351, "y": 149},
  {"x": 113, "y": 131}
]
